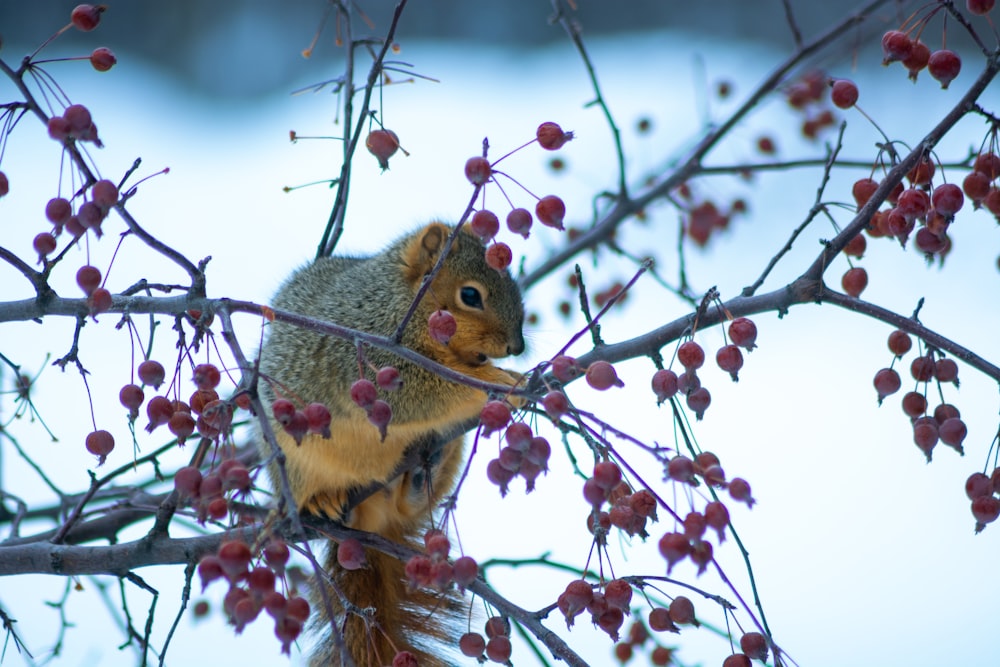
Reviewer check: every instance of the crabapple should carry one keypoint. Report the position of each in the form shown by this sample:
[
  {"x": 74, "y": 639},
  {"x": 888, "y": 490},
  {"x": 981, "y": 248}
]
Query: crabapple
[
  {"x": 551, "y": 137},
  {"x": 499, "y": 256},
  {"x": 151, "y": 373},
  {"x": 854, "y": 281},
  {"x": 690, "y": 355},
  {"x": 550, "y": 211},
  {"x": 601, "y": 375},
  {"x": 442, "y": 326},
  {"x": 519, "y": 221},
  {"x": 478, "y": 170},
  {"x": 383, "y": 144},
  {"x": 944, "y": 65},
  {"x": 844, "y": 93},
  {"x": 351, "y": 554},
  {"x": 363, "y": 393}
]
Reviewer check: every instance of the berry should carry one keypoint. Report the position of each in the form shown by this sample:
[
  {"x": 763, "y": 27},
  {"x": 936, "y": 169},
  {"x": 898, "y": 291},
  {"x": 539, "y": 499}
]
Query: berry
[
  {"x": 743, "y": 332},
  {"x": 380, "y": 414},
  {"x": 234, "y": 557},
  {"x": 383, "y": 144},
  {"x": 442, "y": 326},
  {"x": 899, "y": 342},
  {"x": 484, "y": 224},
  {"x": 209, "y": 569},
  {"x": 44, "y": 244},
  {"x": 58, "y": 128},
  {"x": 472, "y": 644},
  {"x": 952, "y": 432},
  {"x": 978, "y": 484},
  {"x": 88, "y": 278},
  {"x": 946, "y": 370},
  {"x": 551, "y": 137},
  {"x": 86, "y": 17},
  {"x": 519, "y": 221},
  {"x": 988, "y": 164},
  {"x": 151, "y": 373},
  {"x": 896, "y": 45},
  {"x": 79, "y": 119},
  {"x": 844, "y": 94},
  {"x": 913, "y": 204},
  {"x": 607, "y": 475},
  {"x": 100, "y": 444},
  {"x": 681, "y": 469},
  {"x": 730, "y": 359},
  {"x": 550, "y": 211},
  {"x": 102, "y": 59},
  {"x": 979, "y": 7},
  {"x": 690, "y": 355},
  {"x": 914, "y": 404},
  {"x": 886, "y": 382},
  {"x": 944, "y": 65},
  {"x": 499, "y": 475},
  {"x": 922, "y": 368},
  {"x": 466, "y": 570},
  {"x": 754, "y": 645},
  {"x": 58, "y": 211},
  {"x": 739, "y": 490},
  {"x": 206, "y": 376},
  {"x": 856, "y": 246},
  {"x": 478, "y": 170},
  {"x": 717, "y": 516},
  {"x": 518, "y": 436},
  {"x": 674, "y": 547},
  {"x": 601, "y": 376},
  {"x": 494, "y": 416},
  {"x": 917, "y": 60},
  {"x": 283, "y": 411},
  {"x": 99, "y": 301},
  {"x": 618, "y": 593},
  {"x": 363, "y": 393},
  {"x": 131, "y": 397},
  {"x": 351, "y": 554},
  {"x": 388, "y": 379},
  {"x": 539, "y": 452},
  {"x": 297, "y": 609},
  {"x": 681, "y": 610},
  {"x": 499, "y": 256},
  {"x": 854, "y": 281},
  {"x": 947, "y": 199},
  {"x": 986, "y": 509},
  {"x": 498, "y": 649},
  {"x": 611, "y": 620},
  {"x": 318, "y": 417},
  {"x": 159, "y": 410},
  {"x": 862, "y": 190},
  {"x": 976, "y": 186},
  {"x": 925, "y": 435},
  {"x": 182, "y": 425},
  {"x": 276, "y": 554},
  {"x": 736, "y": 660},
  {"x": 664, "y": 384},
  {"x": 699, "y": 400},
  {"x": 555, "y": 404},
  {"x": 565, "y": 368},
  {"x": 922, "y": 172}
]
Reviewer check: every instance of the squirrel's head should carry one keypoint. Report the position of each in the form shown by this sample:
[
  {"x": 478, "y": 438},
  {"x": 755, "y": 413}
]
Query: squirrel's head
[{"x": 485, "y": 303}]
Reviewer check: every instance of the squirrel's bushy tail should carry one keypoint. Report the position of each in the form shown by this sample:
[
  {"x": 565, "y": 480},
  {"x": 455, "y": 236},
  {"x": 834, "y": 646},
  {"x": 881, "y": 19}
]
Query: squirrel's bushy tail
[{"x": 395, "y": 618}]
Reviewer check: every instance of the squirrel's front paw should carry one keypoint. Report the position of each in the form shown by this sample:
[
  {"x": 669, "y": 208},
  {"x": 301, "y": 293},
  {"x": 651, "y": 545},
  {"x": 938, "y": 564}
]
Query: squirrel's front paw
[{"x": 329, "y": 504}]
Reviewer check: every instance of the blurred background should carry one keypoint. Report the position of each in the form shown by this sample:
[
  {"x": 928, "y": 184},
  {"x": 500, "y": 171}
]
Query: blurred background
[{"x": 863, "y": 553}]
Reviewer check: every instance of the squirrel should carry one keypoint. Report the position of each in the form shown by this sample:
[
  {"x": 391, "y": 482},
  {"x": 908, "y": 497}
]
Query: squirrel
[{"x": 373, "y": 294}]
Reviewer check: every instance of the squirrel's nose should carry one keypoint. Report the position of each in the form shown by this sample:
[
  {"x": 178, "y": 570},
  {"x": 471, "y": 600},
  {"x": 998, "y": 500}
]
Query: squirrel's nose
[{"x": 516, "y": 345}]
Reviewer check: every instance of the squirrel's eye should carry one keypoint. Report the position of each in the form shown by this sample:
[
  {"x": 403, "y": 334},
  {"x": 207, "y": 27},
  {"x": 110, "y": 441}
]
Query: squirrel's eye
[{"x": 471, "y": 297}]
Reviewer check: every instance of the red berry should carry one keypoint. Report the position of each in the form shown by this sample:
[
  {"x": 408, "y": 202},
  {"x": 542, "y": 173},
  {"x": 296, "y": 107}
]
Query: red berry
[
  {"x": 681, "y": 469},
  {"x": 466, "y": 570},
  {"x": 498, "y": 649},
  {"x": 539, "y": 452},
  {"x": 856, "y": 246},
  {"x": 730, "y": 359},
  {"x": 472, "y": 644},
  {"x": 674, "y": 547},
  {"x": 862, "y": 191},
  {"x": 925, "y": 435},
  {"x": 555, "y": 404},
  {"x": 284, "y": 410},
  {"x": 886, "y": 382},
  {"x": 494, "y": 416},
  {"x": 601, "y": 375},
  {"x": 717, "y": 516},
  {"x": 484, "y": 224},
  {"x": 976, "y": 185},
  {"x": 99, "y": 301},
  {"x": 499, "y": 256},
  {"x": 379, "y": 415},
  {"x": 690, "y": 355},
  {"x": 914, "y": 404},
  {"x": 518, "y": 436},
  {"x": 551, "y": 137},
  {"x": 519, "y": 221},
  {"x": 739, "y": 489},
  {"x": 899, "y": 342},
  {"x": 499, "y": 475},
  {"x": 854, "y": 281},
  {"x": 944, "y": 65},
  {"x": 363, "y": 393},
  {"x": 698, "y": 401},
  {"x": 478, "y": 170},
  {"x": 844, "y": 94},
  {"x": 104, "y": 194},
  {"x": 234, "y": 557},
  {"x": 952, "y": 432},
  {"x": 44, "y": 244},
  {"x": 754, "y": 645},
  {"x": 182, "y": 425},
  {"x": 351, "y": 554},
  {"x": 383, "y": 144},
  {"x": 58, "y": 128},
  {"x": 159, "y": 410},
  {"x": 896, "y": 45},
  {"x": 318, "y": 417},
  {"x": 79, "y": 119},
  {"x": 565, "y": 368},
  {"x": 913, "y": 204},
  {"x": 58, "y": 211},
  {"x": 743, "y": 332},
  {"x": 442, "y": 326},
  {"x": 978, "y": 484},
  {"x": 86, "y": 17},
  {"x": 947, "y": 199},
  {"x": 664, "y": 384},
  {"x": 102, "y": 59},
  {"x": 607, "y": 475},
  {"x": 736, "y": 660},
  {"x": 917, "y": 60},
  {"x": 88, "y": 278},
  {"x": 946, "y": 370},
  {"x": 151, "y": 373},
  {"x": 986, "y": 509},
  {"x": 206, "y": 376},
  {"x": 988, "y": 164},
  {"x": 659, "y": 620},
  {"x": 209, "y": 569},
  {"x": 131, "y": 396},
  {"x": 550, "y": 211},
  {"x": 922, "y": 368},
  {"x": 100, "y": 444},
  {"x": 979, "y": 7},
  {"x": 682, "y": 610},
  {"x": 276, "y": 554},
  {"x": 388, "y": 379}
]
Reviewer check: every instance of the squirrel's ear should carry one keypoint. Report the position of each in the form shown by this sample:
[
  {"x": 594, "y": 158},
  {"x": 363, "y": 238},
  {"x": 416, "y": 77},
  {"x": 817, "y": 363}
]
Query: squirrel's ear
[{"x": 421, "y": 253}]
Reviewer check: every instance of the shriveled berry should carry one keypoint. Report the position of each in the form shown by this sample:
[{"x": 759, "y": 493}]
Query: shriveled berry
[
  {"x": 717, "y": 516},
  {"x": 917, "y": 60},
  {"x": 379, "y": 415},
  {"x": 182, "y": 425}
]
